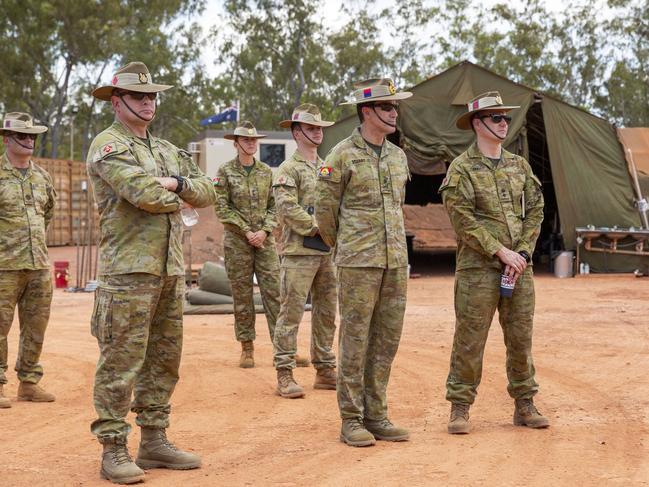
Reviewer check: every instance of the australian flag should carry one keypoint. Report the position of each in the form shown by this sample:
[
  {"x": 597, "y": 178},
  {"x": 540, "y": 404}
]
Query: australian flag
[{"x": 227, "y": 115}]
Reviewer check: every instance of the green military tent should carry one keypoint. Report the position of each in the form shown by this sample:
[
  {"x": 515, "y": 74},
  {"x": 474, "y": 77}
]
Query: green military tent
[{"x": 576, "y": 155}]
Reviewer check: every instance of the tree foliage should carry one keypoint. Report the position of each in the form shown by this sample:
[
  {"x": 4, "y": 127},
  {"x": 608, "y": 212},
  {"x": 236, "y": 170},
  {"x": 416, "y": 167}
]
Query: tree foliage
[{"x": 273, "y": 55}]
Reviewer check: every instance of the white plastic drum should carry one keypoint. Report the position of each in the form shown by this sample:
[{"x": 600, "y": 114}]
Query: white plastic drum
[{"x": 563, "y": 264}]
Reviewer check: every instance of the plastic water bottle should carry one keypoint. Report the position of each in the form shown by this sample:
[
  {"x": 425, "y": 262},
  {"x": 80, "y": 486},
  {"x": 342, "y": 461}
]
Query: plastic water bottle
[{"x": 189, "y": 216}]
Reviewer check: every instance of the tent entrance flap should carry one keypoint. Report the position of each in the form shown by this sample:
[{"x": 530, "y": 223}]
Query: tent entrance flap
[{"x": 550, "y": 241}]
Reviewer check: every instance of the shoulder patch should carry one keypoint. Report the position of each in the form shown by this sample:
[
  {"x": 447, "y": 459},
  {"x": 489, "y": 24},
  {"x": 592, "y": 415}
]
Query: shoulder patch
[
  {"x": 216, "y": 181},
  {"x": 284, "y": 180},
  {"x": 109, "y": 149}
]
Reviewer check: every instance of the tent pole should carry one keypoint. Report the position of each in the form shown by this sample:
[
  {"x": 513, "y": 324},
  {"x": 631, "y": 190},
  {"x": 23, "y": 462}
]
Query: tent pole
[{"x": 642, "y": 203}]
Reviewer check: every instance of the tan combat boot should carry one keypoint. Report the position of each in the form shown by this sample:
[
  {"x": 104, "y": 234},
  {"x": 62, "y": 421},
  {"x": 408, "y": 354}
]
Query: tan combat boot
[
  {"x": 526, "y": 414},
  {"x": 458, "y": 424},
  {"x": 4, "y": 401},
  {"x": 301, "y": 361},
  {"x": 117, "y": 465},
  {"x": 286, "y": 385},
  {"x": 384, "y": 430},
  {"x": 325, "y": 379},
  {"x": 247, "y": 360},
  {"x": 354, "y": 433},
  {"x": 156, "y": 451},
  {"x": 33, "y": 392}
]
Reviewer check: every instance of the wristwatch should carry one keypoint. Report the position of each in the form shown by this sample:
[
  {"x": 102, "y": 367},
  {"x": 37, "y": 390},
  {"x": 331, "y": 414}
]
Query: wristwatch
[
  {"x": 181, "y": 183},
  {"x": 525, "y": 256}
]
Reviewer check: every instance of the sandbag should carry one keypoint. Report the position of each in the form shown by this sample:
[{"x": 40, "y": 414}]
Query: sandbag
[
  {"x": 198, "y": 296},
  {"x": 214, "y": 279},
  {"x": 214, "y": 309}
]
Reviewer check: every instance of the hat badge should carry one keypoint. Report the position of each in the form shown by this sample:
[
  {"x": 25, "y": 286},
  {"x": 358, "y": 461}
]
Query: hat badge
[
  {"x": 391, "y": 88},
  {"x": 28, "y": 124},
  {"x": 499, "y": 100},
  {"x": 142, "y": 77},
  {"x": 251, "y": 132}
]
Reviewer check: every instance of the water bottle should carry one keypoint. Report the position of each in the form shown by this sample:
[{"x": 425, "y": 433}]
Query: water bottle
[
  {"x": 507, "y": 284},
  {"x": 189, "y": 216}
]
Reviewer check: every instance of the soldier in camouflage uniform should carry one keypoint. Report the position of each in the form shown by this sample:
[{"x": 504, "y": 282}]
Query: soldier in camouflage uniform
[
  {"x": 495, "y": 204},
  {"x": 246, "y": 207},
  {"x": 360, "y": 195},
  {"x": 26, "y": 208},
  {"x": 140, "y": 184},
  {"x": 303, "y": 268}
]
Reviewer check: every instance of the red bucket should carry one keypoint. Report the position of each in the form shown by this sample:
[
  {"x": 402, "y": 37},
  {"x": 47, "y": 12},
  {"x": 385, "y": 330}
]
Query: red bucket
[{"x": 61, "y": 274}]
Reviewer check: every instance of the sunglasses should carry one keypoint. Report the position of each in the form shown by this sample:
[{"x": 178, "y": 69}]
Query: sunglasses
[
  {"x": 387, "y": 107},
  {"x": 497, "y": 118},
  {"x": 138, "y": 96},
  {"x": 24, "y": 136}
]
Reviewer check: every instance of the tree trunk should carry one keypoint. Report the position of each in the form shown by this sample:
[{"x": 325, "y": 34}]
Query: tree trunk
[{"x": 62, "y": 95}]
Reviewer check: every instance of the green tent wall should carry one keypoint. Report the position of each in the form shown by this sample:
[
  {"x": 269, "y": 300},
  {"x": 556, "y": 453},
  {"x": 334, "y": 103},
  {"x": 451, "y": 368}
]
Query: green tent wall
[{"x": 589, "y": 172}]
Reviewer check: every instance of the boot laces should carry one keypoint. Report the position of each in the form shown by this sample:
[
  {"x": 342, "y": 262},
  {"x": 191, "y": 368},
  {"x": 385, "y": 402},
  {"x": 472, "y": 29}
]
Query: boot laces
[
  {"x": 165, "y": 441},
  {"x": 356, "y": 424},
  {"x": 286, "y": 379},
  {"x": 526, "y": 406},
  {"x": 460, "y": 410},
  {"x": 120, "y": 455}
]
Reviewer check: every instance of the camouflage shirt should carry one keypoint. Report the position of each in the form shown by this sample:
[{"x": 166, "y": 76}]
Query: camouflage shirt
[
  {"x": 244, "y": 201},
  {"x": 26, "y": 209},
  {"x": 492, "y": 207},
  {"x": 140, "y": 225},
  {"x": 294, "y": 189},
  {"x": 359, "y": 200}
]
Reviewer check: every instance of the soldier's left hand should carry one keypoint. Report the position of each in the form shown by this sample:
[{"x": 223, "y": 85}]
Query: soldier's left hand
[
  {"x": 257, "y": 239},
  {"x": 170, "y": 184}
]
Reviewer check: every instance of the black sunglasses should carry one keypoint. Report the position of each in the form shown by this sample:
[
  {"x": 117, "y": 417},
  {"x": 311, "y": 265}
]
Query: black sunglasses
[
  {"x": 138, "y": 96},
  {"x": 387, "y": 107},
  {"x": 24, "y": 136},
  {"x": 497, "y": 118}
]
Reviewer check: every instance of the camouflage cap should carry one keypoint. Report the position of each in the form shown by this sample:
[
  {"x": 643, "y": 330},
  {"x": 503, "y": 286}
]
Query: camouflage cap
[
  {"x": 306, "y": 113},
  {"x": 134, "y": 76},
  {"x": 21, "y": 123},
  {"x": 244, "y": 129},
  {"x": 490, "y": 100},
  {"x": 376, "y": 89}
]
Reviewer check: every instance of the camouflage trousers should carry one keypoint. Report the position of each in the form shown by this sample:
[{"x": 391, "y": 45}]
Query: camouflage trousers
[
  {"x": 137, "y": 320},
  {"x": 242, "y": 260},
  {"x": 477, "y": 296},
  {"x": 300, "y": 274},
  {"x": 372, "y": 305},
  {"x": 31, "y": 290}
]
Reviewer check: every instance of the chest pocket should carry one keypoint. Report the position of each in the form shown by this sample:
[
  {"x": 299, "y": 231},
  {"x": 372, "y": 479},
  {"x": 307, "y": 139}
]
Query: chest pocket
[
  {"x": 39, "y": 195},
  {"x": 261, "y": 190},
  {"x": 363, "y": 189},
  {"x": 11, "y": 196},
  {"x": 399, "y": 176},
  {"x": 144, "y": 156},
  {"x": 516, "y": 182},
  {"x": 486, "y": 192},
  {"x": 239, "y": 194}
]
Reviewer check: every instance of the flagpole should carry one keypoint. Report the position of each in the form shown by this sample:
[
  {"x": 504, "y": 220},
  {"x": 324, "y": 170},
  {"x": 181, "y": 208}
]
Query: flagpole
[{"x": 238, "y": 110}]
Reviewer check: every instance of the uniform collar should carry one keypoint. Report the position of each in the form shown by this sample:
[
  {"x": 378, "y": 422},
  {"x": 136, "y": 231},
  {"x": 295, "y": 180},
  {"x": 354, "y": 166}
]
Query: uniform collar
[
  {"x": 297, "y": 156},
  {"x": 124, "y": 130},
  {"x": 474, "y": 153},
  {"x": 240, "y": 168},
  {"x": 361, "y": 143},
  {"x": 7, "y": 166}
]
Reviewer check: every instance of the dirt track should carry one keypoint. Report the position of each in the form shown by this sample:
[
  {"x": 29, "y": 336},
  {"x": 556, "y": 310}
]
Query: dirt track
[{"x": 591, "y": 352}]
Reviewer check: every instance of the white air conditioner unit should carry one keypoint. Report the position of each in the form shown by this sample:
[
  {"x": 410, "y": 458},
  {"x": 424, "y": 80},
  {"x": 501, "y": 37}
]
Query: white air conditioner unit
[{"x": 194, "y": 148}]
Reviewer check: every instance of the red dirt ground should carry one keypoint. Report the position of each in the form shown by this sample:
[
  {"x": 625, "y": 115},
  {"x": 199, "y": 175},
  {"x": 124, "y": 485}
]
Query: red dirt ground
[{"x": 591, "y": 353}]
